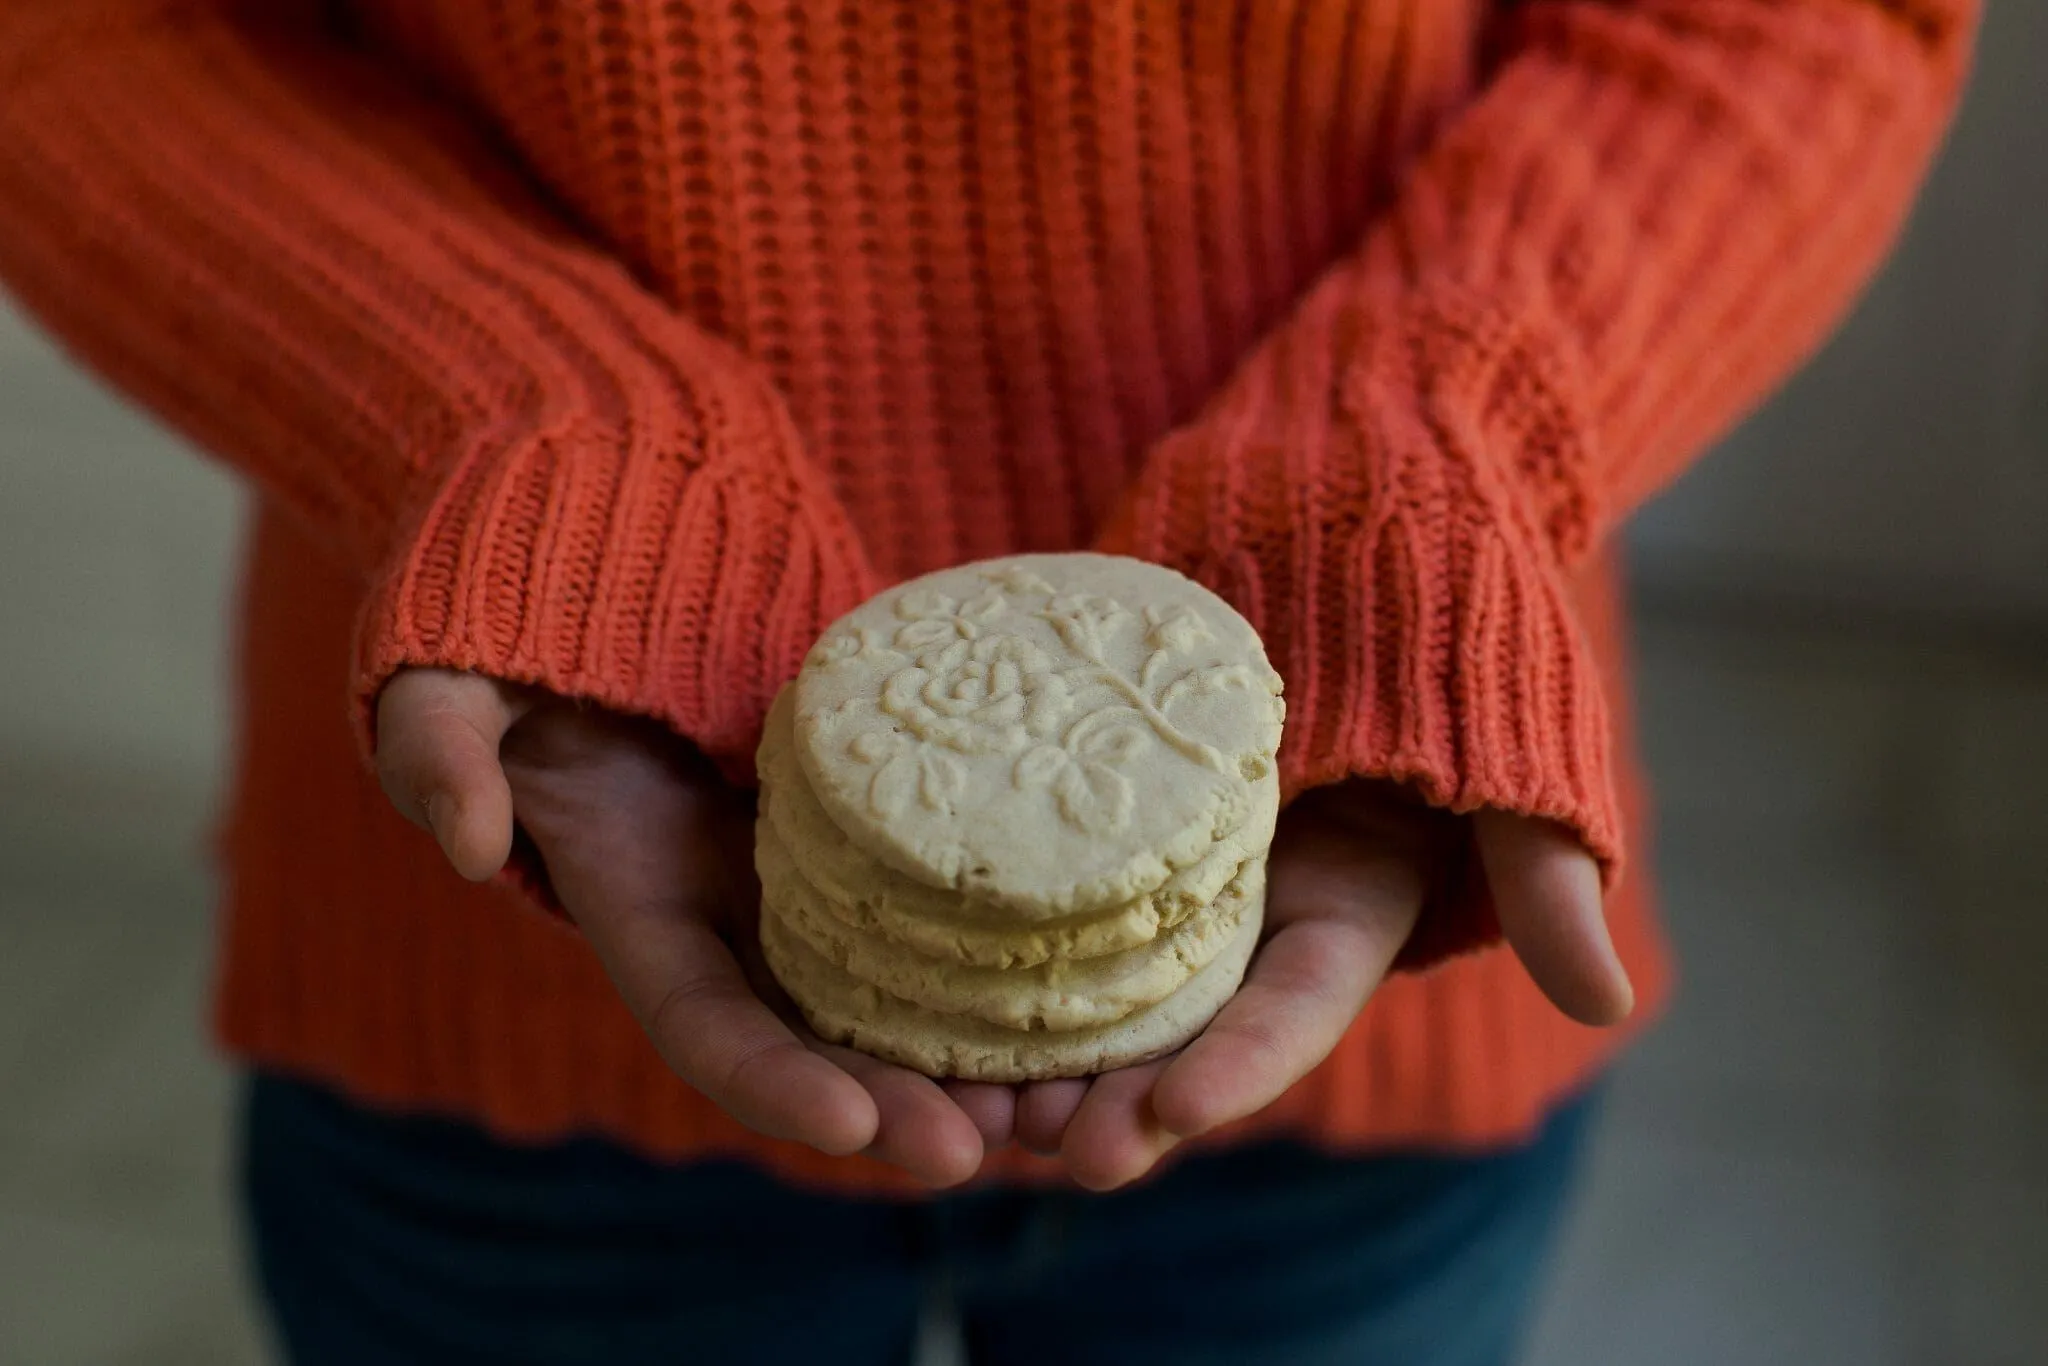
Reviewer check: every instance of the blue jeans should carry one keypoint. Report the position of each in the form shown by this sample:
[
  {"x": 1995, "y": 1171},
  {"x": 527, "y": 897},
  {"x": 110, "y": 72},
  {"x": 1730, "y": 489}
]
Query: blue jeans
[{"x": 388, "y": 1241}]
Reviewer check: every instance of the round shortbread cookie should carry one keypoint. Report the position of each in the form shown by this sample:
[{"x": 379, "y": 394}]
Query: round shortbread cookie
[
  {"x": 844, "y": 1010},
  {"x": 1064, "y": 994},
  {"x": 1056, "y": 733},
  {"x": 941, "y": 924}
]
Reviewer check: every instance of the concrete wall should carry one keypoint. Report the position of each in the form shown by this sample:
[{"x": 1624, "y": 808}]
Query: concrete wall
[{"x": 1909, "y": 463}]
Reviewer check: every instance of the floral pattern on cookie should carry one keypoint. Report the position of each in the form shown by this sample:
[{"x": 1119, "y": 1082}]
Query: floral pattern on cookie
[{"x": 1088, "y": 689}]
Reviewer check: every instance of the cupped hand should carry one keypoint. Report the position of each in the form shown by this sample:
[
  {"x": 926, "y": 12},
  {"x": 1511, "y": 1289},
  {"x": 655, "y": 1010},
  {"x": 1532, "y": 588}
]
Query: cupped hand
[
  {"x": 1349, "y": 870},
  {"x": 650, "y": 853}
]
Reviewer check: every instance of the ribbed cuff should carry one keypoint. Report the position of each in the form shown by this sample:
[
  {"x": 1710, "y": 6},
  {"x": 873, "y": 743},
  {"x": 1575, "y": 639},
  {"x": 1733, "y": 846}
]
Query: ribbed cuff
[
  {"x": 1478, "y": 690},
  {"x": 628, "y": 571},
  {"x": 1406, "y": 578}
]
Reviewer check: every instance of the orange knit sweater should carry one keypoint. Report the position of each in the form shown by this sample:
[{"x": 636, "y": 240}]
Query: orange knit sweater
[{"x": 618, "y": 347}]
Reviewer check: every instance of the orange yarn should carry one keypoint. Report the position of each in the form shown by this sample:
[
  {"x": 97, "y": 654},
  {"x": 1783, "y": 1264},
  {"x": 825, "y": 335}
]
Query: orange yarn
[{"x": 620, "y": 347}]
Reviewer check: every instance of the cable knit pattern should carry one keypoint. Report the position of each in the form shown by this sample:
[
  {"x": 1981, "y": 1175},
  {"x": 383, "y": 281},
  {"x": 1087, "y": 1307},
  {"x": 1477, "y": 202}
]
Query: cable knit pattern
[{"x": 617, "y": 347}]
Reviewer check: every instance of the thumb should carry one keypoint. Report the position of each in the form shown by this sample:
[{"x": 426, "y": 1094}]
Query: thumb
[
  {"x": 1546, "y": 889},
  {"x": 438, "y": 733}
]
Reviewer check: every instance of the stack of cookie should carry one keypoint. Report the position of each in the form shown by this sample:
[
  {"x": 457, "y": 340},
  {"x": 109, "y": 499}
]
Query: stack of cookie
[{"x": 1015, "y": 817}]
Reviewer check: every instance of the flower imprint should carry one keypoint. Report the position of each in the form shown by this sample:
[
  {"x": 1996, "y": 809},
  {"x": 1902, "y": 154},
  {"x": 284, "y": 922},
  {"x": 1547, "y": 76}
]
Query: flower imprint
[
  {"x": 1064, "y": 689},
  {"x": 851, "y": 647},
  {"x": 909, "y": 771},
  {"x": 1177, "y": 628},
  {"x": 1082, "y": 770},
  {"x": 933, "y": 620},
  {"x": 989, "y": 696},
  {"x": 1085, "y": 622}
]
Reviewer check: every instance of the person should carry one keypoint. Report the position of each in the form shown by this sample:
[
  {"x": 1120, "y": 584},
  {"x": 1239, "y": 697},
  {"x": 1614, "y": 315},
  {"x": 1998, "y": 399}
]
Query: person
[{"x": 588, "y": 358}]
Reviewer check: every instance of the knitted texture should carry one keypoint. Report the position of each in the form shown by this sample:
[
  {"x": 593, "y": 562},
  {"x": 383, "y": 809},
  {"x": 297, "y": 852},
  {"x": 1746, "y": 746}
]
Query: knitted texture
[{"x": 617, "y": 348}]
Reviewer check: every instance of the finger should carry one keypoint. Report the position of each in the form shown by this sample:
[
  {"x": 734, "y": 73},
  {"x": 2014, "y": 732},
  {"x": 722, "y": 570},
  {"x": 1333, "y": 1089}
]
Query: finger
[
  {"x": 919, "y": 1127},
  {"x": 646, "y": 885},
  {"x": 437, "y": 759},
  {"x": 1344, "y": 901},
  {"x": 1304, "y": 989},
  {"x": 687, "y": 990},
  {"x": 992, "y": 1108},
  {"x": 1114, "y": 1137},
  {"x": 1546, "y": 890},
  {"x": 1044, "y": 1109}
]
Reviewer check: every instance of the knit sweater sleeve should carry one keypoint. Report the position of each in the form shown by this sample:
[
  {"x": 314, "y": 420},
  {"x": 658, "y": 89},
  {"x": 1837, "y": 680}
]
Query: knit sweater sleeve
[
  {"x": 1648, "y": 213},
  {"x": 540, "y": 471}
]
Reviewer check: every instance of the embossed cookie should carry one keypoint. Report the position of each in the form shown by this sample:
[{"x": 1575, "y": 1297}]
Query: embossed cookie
[
  {"x": 843, "y": 1009},
  {"x": 1060, "y": 995},
  {"x": 937, "y": 923},
  {"x": 1058, "y": 734}
]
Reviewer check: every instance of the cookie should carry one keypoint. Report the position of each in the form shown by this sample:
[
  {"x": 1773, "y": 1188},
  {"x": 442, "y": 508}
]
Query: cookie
[
  {"x": 941, "y": 924},
  {"x": 844, "y": 1010},
  {"x": 1057, "y": 734},
  {"x": 1061, "y": 994}
]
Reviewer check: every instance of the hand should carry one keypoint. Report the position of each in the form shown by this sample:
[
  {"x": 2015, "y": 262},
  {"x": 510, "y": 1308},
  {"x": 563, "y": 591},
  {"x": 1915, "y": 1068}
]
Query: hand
[
  {"x": 1349, "y": 869},
  {"x": 650, "y": 853}
]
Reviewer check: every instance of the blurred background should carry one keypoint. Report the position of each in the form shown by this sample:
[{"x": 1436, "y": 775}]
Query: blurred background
[{"x": 1834, "y": 1150}]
